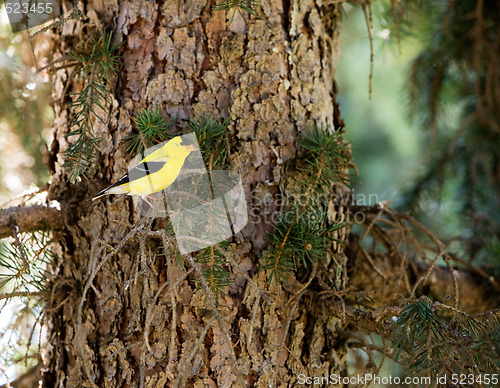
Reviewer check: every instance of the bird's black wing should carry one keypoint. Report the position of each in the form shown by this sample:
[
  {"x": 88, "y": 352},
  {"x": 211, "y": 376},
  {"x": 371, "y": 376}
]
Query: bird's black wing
[{"x": 141, "y": 170}]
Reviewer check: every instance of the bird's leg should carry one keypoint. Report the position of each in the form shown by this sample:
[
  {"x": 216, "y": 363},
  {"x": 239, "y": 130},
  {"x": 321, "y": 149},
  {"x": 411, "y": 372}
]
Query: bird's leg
[{"x": 146, "y": 199}]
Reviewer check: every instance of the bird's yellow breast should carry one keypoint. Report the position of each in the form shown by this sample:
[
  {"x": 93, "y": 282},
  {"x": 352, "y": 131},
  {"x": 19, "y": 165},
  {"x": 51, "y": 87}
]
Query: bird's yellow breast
[{"x": 150, "y": 184}]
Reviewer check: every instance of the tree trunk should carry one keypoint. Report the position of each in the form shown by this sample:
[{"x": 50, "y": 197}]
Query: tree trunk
[{"x": 135, "y": 318}]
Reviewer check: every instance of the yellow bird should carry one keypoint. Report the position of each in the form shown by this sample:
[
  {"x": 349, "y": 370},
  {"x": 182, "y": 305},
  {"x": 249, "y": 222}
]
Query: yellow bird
[{"x": 156, "y": 172}]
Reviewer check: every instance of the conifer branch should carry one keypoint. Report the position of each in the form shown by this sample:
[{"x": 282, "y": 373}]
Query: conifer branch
[
  {"x": 461, "y": 346},
  {"x": 26, "y": 264},
  {"x": 389, "y": 229},
  {"x": 303, "y": 232},
  {"x": 212, "y": 136},
  {"x": 98, "y": 65},
  {"x": 151, "y": 129}
]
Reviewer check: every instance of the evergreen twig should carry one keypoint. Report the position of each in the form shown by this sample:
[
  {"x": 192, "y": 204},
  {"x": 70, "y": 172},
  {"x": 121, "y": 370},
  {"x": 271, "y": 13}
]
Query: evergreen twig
[
  {"x": 25, "y": 263},
  {"x": 212, "y": 138},
  {"x": 216, "y": 273},
  {"x": 303, "y": 232},
  {"x": 433, "y": 346},
  {"x": 151, "y": 130},
  {"x": 98, "y": 65}
]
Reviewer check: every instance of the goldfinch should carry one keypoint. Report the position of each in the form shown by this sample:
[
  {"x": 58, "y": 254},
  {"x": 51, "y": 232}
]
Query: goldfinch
[{"x": 156, "y": 172}]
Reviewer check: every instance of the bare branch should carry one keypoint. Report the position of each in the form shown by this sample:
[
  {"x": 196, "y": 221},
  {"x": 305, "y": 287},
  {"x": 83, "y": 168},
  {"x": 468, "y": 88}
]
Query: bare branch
[
  {"x": 29, "y": 219},
  {"x": 404, "y": 256},
  {"x": 367, "y": 321}
]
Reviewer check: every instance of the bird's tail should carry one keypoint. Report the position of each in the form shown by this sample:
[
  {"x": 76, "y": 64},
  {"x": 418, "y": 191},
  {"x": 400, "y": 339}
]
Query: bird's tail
[
  {"x": 122, "y": 189},
  {"x": 99, "y": 195}
]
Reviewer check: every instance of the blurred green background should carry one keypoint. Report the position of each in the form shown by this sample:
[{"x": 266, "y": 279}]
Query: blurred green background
[
  {"x": 387, "y": 149},
  {"x": 391, "y": 148}
]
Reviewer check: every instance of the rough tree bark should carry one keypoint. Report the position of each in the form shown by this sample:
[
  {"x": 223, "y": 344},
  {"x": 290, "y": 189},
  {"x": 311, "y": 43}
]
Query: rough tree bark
[{"x": 272, "y": 76}]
